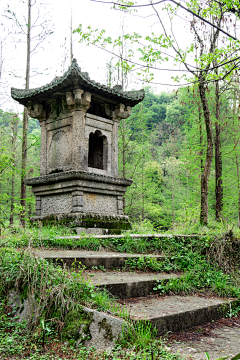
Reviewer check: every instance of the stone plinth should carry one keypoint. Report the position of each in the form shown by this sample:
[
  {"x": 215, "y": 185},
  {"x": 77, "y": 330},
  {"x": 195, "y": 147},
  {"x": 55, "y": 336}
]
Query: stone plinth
[{"x": 81, "y": 200}]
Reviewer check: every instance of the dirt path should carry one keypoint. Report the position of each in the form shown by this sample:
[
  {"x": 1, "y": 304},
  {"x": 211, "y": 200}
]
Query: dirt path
[{"x": 220, "y": 338}]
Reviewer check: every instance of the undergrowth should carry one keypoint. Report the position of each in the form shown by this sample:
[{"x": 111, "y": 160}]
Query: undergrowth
[
  {"x": 16, "y": 342},
  {"x": 55, "y": 313}
]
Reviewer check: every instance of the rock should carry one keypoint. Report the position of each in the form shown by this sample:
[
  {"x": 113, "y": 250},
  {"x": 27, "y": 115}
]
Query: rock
[
  {"x": 104, "y": 330},
  {"x": 101, "y": 332}
]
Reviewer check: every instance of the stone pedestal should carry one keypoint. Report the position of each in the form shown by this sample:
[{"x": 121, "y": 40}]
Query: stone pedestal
[{"x": 81, "y": 200}]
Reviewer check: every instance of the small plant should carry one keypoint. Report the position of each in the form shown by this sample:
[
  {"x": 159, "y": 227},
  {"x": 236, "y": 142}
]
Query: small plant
[
  {"x": 159, "y": 287},
  {"x": 234, "y": 310},
  {"x": 236, "y": 357},
  {"x": 147, "y": 263}
]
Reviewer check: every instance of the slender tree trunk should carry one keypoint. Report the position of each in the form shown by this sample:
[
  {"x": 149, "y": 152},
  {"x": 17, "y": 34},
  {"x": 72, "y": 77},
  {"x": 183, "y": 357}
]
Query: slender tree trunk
[
  {"x": 14, "y": 137},
  {"x": 71, "y": 40},
  {"x": 124, "y": 158},
  {"x": 209, "y": 155},
  {"x": 236, "y": 90},
  {"x": 238, "y": 184},
  {"x": 25, "y": 124},
  {"x": 173, "y": 196},
  {"x": 143, "y": 187},
  {"x": 200, "y": 137},
  {"x": 30, "y": 173},
  {"x": 218, "y": 155},
  {"x": 1, "y": 57}
]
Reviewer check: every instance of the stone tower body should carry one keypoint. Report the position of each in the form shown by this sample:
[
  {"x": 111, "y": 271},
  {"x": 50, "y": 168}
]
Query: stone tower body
[{"x": 78, "y": 184}]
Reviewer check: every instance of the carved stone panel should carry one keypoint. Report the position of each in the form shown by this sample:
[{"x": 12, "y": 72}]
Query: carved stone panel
[
  {"x": 59, "y": 153},
  {"x": 56, "y": 204},
  {"x": 99, "y": 203}
]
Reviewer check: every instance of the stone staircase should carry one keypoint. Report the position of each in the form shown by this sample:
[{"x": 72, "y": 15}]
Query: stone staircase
[{"x": 135, "y": 290}]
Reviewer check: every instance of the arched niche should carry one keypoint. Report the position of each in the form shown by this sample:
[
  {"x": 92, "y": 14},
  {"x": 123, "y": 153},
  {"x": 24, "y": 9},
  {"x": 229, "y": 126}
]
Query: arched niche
[{"x": 97, "y": 150}]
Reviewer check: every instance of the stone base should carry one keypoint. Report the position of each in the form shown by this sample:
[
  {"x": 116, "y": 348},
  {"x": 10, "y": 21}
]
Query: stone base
[
  {"x": 81, "y": 198},
  {"x": 88, "y": 222}
]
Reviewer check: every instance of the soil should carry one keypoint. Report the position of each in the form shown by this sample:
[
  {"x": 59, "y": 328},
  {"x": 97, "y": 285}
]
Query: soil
[{"x": 220, "y": 338}]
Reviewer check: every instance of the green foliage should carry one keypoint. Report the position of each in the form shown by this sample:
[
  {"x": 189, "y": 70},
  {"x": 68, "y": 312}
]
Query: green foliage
[
  {"x": 57, "y": 291},
  {"x": 147, "y": 263},
  {"x": 16, "y": 340},
  {"x": 10, "y": 333},
  {"x": 10, "y": 164},
  {"x": 236, "y": 357}
]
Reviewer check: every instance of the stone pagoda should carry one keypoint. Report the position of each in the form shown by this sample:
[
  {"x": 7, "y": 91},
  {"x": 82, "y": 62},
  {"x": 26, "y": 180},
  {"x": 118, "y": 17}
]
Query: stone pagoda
[{"x": 78, "y": 184}]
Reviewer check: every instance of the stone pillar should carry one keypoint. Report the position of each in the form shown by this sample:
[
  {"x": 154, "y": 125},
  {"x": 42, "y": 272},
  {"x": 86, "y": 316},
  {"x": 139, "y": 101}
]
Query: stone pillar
[
  {"x": 114, "y": 160},
  {"x": 79, "y": 143},
  {"x": 43, "y": 156},
  {"x": 120, "y": 205},
  {"x": 78, "y": 105},
  {"x": 121, "y": 112},
  {"x": 77, "y": 201},
  {"x": 37, "y": 111},
  {"x": 38, "y": 206}
]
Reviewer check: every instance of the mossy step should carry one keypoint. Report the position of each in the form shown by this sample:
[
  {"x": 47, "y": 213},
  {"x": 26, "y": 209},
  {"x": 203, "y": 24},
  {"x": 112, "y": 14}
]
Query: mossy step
[
  {"x": 133, "y": 236},
  {"x": 109, "y": 260},
  {"x": 178, "y": 313},
  {"x": 125, "y": 284}
]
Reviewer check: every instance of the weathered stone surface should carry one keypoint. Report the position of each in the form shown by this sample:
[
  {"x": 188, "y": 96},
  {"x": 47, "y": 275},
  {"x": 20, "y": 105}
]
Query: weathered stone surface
[
  {"x": 104, "y": 330},
  {"x": 110, "y": 260},
  {"x": 177, "y": 313},
  {"x": 74, "y": 192},
  {"x": 21, "y": 307},
  {"x": 86, "y": 220},
  {"x": 56, "y": 204},
  {"x": 59, "y": 157},
  {"x": 126, "y": 285},
  {"x": 75, "y": 175}
]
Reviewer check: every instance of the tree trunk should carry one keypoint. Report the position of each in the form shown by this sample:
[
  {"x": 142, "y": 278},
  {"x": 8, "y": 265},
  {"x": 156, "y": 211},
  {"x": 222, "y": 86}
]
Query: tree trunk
[
  {"x": 14, "y": 137},
  {"x": 71, "y": 41},
  {"x": 209, "y": 155},
  {"x": 235, "y": 113},
  {"x": 218, "y": 155},
  {"x": 124, "y": 158},
  {"x": 25, "y": 124},
  {"x": 1, "y": 57},
  {"x": 30, "y": 173},
  {"x": 200, "y": 137}
]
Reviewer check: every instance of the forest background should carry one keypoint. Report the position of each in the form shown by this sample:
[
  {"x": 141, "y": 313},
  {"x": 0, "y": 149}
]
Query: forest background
[{"x": 162, "y": 146}]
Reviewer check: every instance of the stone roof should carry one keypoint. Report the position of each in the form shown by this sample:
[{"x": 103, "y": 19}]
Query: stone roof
[{"x": 74, "y": 78}]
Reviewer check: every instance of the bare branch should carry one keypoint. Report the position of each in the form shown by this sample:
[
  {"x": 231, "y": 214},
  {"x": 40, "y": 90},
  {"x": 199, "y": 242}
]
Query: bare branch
[{"x": 176, "y": 3}]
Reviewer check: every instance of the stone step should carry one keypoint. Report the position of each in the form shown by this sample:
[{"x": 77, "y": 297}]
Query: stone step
[
  {"x": 127, "y": 285},
  {"x": 133, "y": 236},
  {"x": 109, "y": 260},
  {"x": 177, "y": 313}
]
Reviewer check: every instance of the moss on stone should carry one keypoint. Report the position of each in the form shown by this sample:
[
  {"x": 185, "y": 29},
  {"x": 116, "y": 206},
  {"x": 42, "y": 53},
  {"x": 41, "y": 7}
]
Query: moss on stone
[
  {"x": 77, "y": 326},
  {"x": 107, "y": 328},
  {"x": 115, "y": 225}
]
